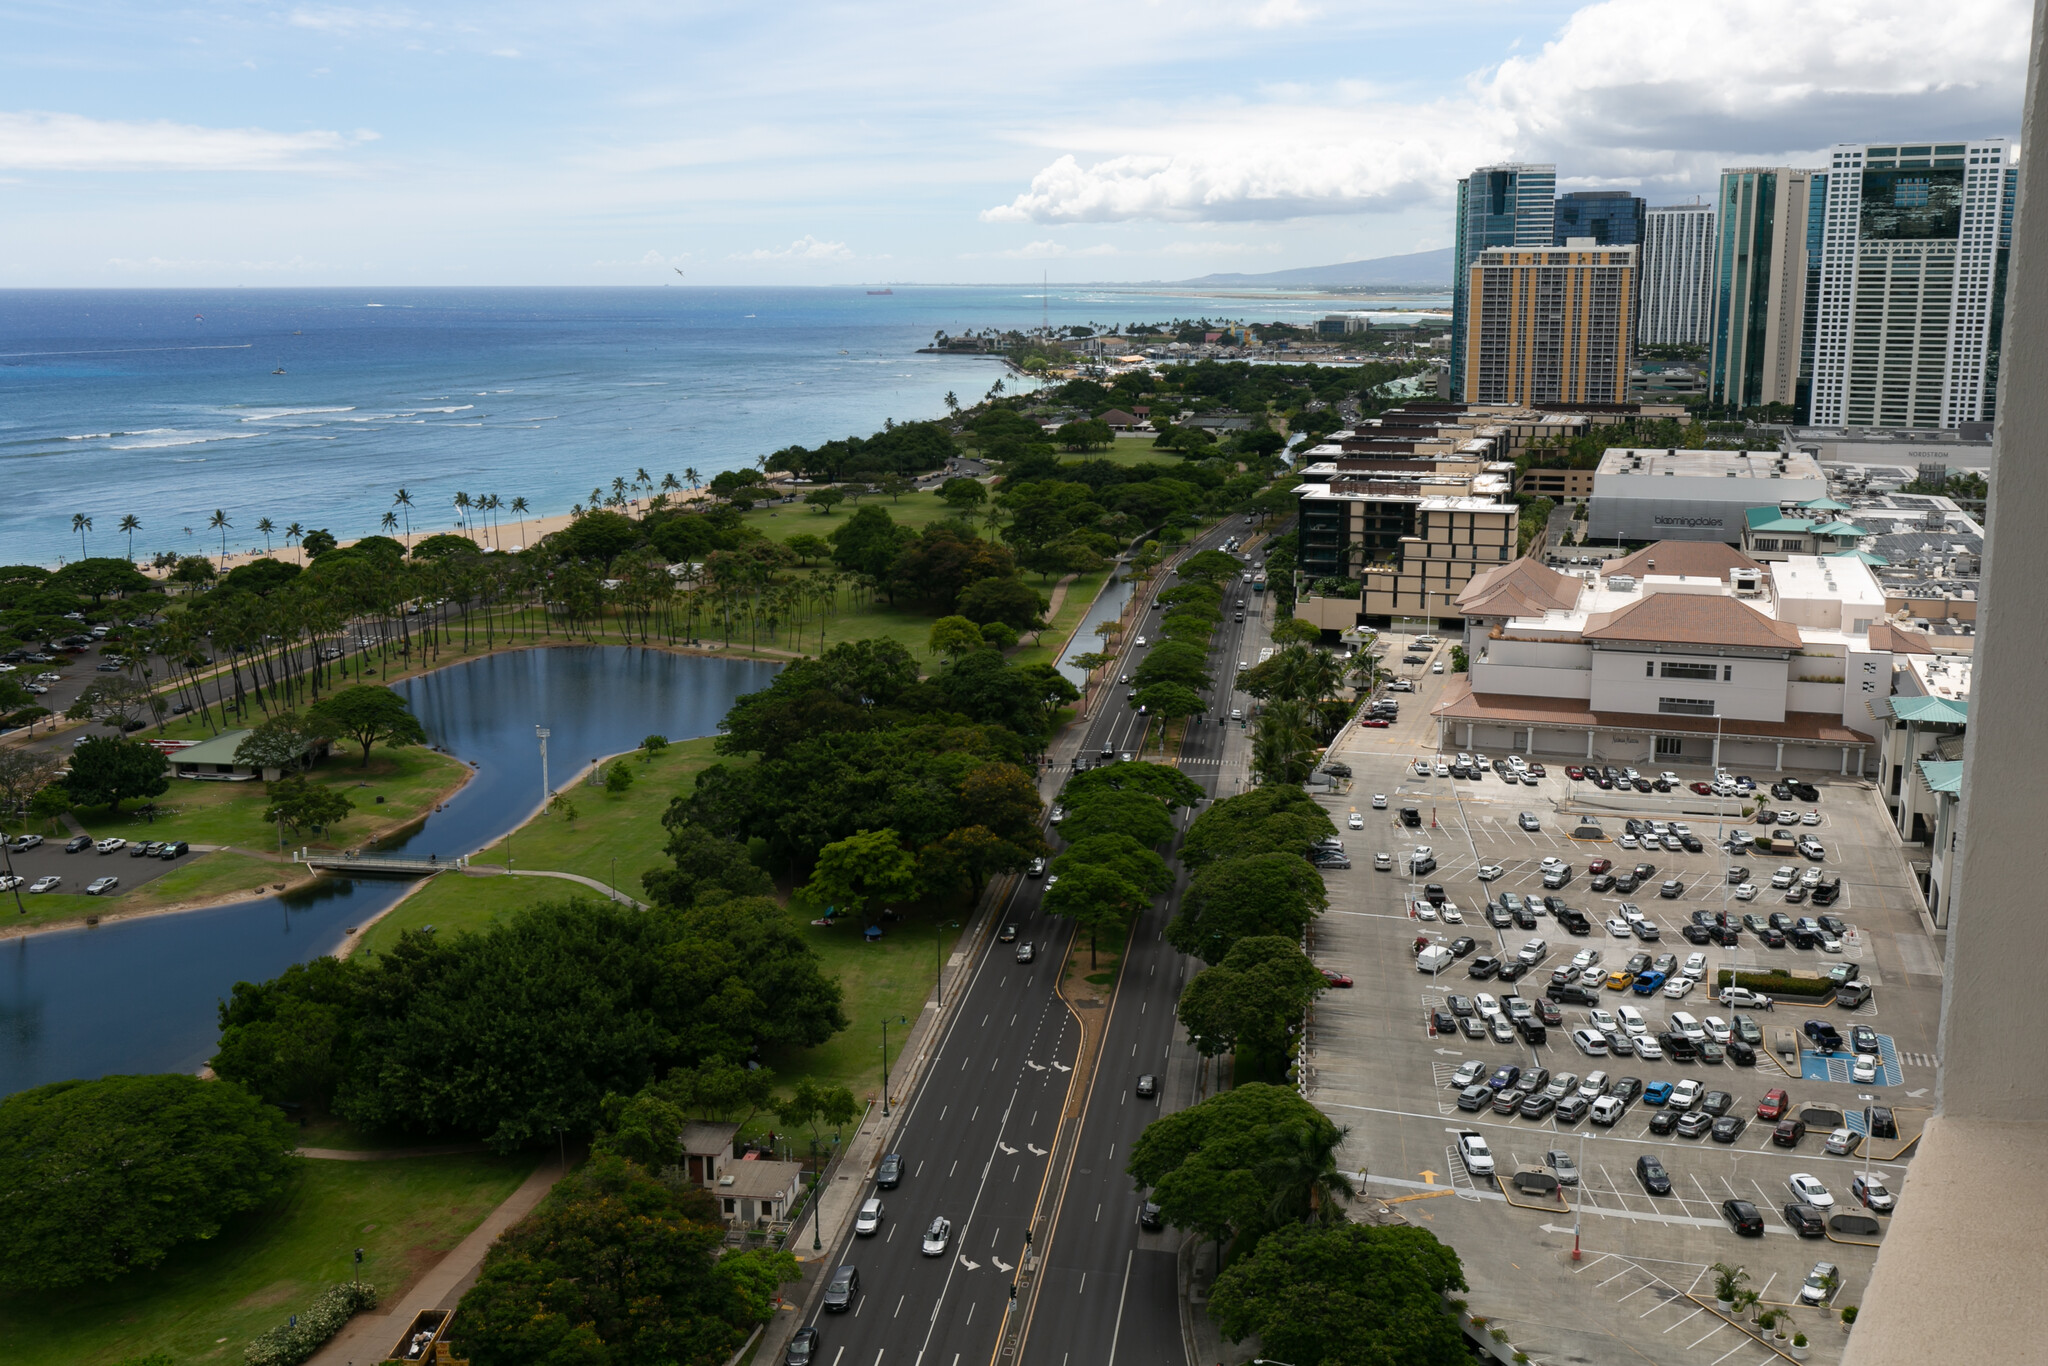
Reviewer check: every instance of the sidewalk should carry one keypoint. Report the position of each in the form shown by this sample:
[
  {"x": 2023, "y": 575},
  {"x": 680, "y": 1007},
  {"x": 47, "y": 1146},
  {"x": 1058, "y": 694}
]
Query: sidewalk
[{"x": 368, "y": 1337}]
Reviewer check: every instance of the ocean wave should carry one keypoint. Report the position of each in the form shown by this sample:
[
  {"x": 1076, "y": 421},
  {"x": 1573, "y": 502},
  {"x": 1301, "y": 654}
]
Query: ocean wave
[
  {"x": 95, "y": 436},
  {"x": 458, "y": 408},
  {"x": 268, "y": 414},
  {"x": 185, "y": 439}
]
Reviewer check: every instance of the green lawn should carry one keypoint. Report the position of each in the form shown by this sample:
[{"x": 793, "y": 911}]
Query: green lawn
[
  {"x": 208, "y": 1299},
  {"x": 196, "y": 880},
  {"x": 409, "y": 780},
  {"x": 785, "y": 520},
  {"x": 1081, "y": 594}
]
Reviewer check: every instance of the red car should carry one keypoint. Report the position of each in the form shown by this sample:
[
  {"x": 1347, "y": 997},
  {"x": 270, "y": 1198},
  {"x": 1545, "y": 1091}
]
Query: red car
[
  {"x": 1773, "y": 1105},
  {"x": 1702, "y": 789},
  {"x": 1539, "y": 770},
  {"x": 1597, "y": 867},
  {"x": 1376, "y": 722},
  {"x": 1335, "y": 978},
  {"x": 1575, "y": 773}
]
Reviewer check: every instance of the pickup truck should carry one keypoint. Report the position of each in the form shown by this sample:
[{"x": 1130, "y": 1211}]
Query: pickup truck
[{"x": 1477, "y": 1156}]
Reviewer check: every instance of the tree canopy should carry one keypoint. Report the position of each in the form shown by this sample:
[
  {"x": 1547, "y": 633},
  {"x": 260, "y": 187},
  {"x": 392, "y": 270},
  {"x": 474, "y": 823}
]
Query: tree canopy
[
  {"x": 1345, "y": 1295},
  {"x": 1264, "y": 820},
  {"x": 1245, "y": 1161},
  {"x": 106, "y": 771},
  {"x": 1252, "y": 1002},
  {"x": 367, "y": 715},
  {"x": 1241, "y": 898},
  {"x": 101, "y": 1178}
]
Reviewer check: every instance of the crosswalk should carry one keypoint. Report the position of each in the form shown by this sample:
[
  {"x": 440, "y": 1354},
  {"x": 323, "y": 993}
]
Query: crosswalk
[{"x": 1919, "y": 1060}]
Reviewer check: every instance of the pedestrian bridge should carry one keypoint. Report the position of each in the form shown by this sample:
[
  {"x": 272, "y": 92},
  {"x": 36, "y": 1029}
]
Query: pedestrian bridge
[{"x": 378, "y": 865}]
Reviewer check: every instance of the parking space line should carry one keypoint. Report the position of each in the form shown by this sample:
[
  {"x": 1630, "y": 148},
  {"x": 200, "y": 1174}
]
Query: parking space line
[{"x": 1688, "y": 1319}]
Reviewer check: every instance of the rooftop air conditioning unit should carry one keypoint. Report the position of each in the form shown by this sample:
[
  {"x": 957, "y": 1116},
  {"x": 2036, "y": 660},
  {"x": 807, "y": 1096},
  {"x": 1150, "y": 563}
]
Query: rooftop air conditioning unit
[{"x": 1622, "y": 583}]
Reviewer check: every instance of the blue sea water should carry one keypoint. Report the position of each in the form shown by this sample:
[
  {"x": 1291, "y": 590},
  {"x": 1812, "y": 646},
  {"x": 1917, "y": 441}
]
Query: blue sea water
[{"x": 163, "y": 404}]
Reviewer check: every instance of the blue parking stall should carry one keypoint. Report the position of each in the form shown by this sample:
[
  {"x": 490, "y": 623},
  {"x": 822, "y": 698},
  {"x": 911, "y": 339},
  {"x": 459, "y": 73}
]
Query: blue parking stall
[{"x": 1821, "y": 1067}]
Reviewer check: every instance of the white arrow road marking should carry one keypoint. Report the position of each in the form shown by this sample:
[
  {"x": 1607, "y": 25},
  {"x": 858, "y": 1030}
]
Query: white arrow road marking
[
  {"x": 1033, "y": 1066},
  {"x": 1036, "y": 1151},
  {"x": 1915, "y": 1095},
  {"x": 1006, "y": 1147},
  {"x": 971, "y": 1266},
  {"x": 1063, "y": 1067},
  {"x": 1002, "y": 1266},
  {"x": 1450, "y": 1053}
]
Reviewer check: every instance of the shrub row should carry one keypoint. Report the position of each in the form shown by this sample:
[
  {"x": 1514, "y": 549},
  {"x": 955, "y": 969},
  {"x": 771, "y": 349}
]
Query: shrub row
[{"x": 288, "y": 1344}]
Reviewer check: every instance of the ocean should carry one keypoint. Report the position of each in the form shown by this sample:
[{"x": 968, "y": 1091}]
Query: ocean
[{"x": 167, "y": 405}]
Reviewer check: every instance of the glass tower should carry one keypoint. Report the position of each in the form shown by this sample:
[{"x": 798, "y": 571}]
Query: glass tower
[
  {"x": 1511, "y": 205},
  {"x": 1612, "y": 218}
]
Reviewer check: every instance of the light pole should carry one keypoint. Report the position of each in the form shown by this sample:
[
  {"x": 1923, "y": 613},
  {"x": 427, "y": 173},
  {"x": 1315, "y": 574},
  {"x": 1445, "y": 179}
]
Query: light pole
[
  {"x": 1866, "y": 1097},
  {"x": 900, "y": 1019}
]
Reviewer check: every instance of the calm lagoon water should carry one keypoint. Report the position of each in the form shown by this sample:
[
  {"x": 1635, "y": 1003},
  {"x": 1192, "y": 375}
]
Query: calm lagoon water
[{"x": 141, "y": 995}]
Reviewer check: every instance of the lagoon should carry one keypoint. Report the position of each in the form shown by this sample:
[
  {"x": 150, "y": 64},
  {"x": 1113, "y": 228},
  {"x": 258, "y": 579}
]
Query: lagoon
[{"x": 141, "y": 995}]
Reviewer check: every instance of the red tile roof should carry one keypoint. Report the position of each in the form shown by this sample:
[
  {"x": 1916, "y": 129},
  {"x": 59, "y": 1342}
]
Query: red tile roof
[
  {"x": 1687, "y": 559},
  {"x": 1520, "y": 588},
  {"x": 1692, "y": 619}
]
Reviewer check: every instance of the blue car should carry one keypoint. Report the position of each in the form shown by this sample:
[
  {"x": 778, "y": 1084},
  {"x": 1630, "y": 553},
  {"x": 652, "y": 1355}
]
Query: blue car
[
  {"x": 1650, "y": 983},
  {"x": 1657, "y": 1093}
]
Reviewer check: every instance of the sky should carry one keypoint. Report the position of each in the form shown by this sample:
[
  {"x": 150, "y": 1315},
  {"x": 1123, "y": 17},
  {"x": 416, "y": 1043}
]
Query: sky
[{"x": 243, "y": 142}]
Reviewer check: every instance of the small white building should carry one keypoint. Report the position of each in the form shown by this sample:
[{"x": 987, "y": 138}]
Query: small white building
[
  {"x": 1680, "y": 654},
  {"x": 758, "y": 1190}
]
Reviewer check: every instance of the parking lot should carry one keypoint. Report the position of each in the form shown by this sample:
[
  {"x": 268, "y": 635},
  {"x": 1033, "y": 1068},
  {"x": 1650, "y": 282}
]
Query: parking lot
[
  {"x": 1376, "y": 1066},
  {"x": 78, "y": 870}
]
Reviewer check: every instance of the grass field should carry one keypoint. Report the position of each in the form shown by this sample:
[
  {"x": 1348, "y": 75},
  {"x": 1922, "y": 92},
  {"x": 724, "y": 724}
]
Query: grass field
[
  {"x": 784, "y": 520},
  {"x": 199, "y": 879},
  {"x": 208, "y": 1299}
]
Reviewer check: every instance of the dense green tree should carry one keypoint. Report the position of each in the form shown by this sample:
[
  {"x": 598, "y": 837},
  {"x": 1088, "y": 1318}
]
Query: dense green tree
[
  {"x": 96, "y": 578},
  {"x": 707, "y": 867},
  {"x": 954, "y": 636},
  {"x": 1252, "y": 1002},
  {"x": 1106, "y": 811},
  {"x": 824, "y": 500},
  {"x": 1242, "y": 1162},
  {"x": 1130, "y": 860},
  {"x": 1265, "y": 820},
  {"x": 854, "y": 686},
  {"x": 303, "y": 806},
  {"x": 1171, "y": 701},
  {"x": 1174, "y": 661},
  {"x": 647, "y": 1127},
  {"x": 1008, "y": 600},
  {"x": 867, "y": 866},
  {"x": 1283, "y": 738},
  {"x": 318, "y": 542},
  {"x": 106, "y": 771},
  {"x": 1234, "y": 899},
  {"x": 1161, "y": 781},
  {"x": 868, "y": 542},
  {"x": 617, "y": 1268},
  {"x": 367, "y": 715},
  {"x": 448, "y": 546},
  {"x": 1210, "y": 566},
  {"x": 100, "y": 1178},
  {"x": 597, "y": 537},
  {"x": 963, "y": 494},
  {"x": 807, "y": 547},
  {"x": 278, "y": 741},
  {"x": 1098, "y": 899},
  {"x": 1346, "y": 1295}
]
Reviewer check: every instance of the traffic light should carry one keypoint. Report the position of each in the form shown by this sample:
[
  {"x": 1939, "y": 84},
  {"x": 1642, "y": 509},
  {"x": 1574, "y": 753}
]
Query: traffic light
[{"x": 1013, "y": 1292}]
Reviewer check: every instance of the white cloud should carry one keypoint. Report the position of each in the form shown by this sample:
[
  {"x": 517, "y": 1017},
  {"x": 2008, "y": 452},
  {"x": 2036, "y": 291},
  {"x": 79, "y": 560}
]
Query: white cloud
[
  {"x": 1640, "y": 91},
  {"x": 805, "y": 248},
  {"x": 1050, "y": 250},
  {"x": 33, "y": 141},
  {"x": 1198, "y": 247},
  {"x": 157, "y": 265},
  {"x": 347, "y": 19}
]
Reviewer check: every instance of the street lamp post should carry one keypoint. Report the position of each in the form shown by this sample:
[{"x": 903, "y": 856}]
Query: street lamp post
[
  {"x": 542, "y": 733},
  {"x": 1866, "y": 1097},
  {"x": 885, "y": 1062}
]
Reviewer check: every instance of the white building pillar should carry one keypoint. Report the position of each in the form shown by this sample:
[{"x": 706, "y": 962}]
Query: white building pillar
[
  {"x": 1781, "y": 756},
  {"x": 1589, "y": 746}
]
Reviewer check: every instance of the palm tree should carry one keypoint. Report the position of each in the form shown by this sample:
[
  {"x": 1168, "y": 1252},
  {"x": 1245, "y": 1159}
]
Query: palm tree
[
  {"x": 1302, "y": 1174},
  {"x": 219, "y": 522},
  {"x": 292, "y": 533},
  {"x": 404, "y": 500},
  {"x": 669, "y": 484},
  {"x": 491, "y": 505},
  {"x": 131, "y": 524},
  {"x": 690, "y": 473},
  {"x": 461, "y": 507},
  {"x": 266, "y": 526},
  {"x": 389, "y": 521},
  {"x": 952, "y": 403},
  {"x": 519, "y": 506},
  {"x": 81, "y": 524}
]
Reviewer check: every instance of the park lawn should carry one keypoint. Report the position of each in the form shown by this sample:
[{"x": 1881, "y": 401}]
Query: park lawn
[
  {"x": 1129, "y": 450},
  {"x": 454, "y": 902},
  {"x": 410, "y": 780},
  {"x": 1081, "y": 595},
  {"x": 209, "y": 1299},
  {"x": 198, "y": 879},
  {"x": 780, "y": 521}
]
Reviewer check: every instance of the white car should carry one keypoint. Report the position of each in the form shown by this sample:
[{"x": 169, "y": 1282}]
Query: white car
[
  {"x": 1451, "y": 914},
  {"x": 1686, "y": 1094},
  {"x": 1688, "y": 1026},
  {"x": 1467, "y": 1074},
  {"x": 1379, "y": 801},
  {"x": 46, "y": 884},
  {"x": 1630, "y": 912},
  {"x": 1810, "y": 1190},
  {"x": 1864, "y": 1070},
  {"x": 1585, "y": 958},
  {"x": 1603, "y": 1020},
  {"x": 1647, "y": 1047},
  {"x": 1677, "y": 987},
  {"x": 1527, "y": 820},
  {"x": 1591, "y": 1042},
  {"x": 1424, "y": 911},
  {"x": 1489, "y": 871},
  {"x": 1482, "y": 763},
  {"x": 1810, "y": 818},
  {"x": 1443, "y": 770},
  {"x": 1669, "y": 777},
  {"x": 1627, "y": 841},
  {"x": 1606, "y": 1110},
  {"x": 1141, "y": 642},
  {"x": 1746, "y": 892},
  {"x": 1618, "y": 927},
  {"x": 100, "y": 886},
  {"x": 1718, "y": 1029},
  {"x": 869, "y": 1221},
  {"x": 1477, "y": 1156},
  {"x": 1784, "y": 877},
  {"x": 940, "y": 1233},
  {"x": 1551, "y": 863},
  {"x": 1695, "y": 966},
  {"x": 1829, "y": 944},
  {"x": 1594, "y": 1085},
  {"x": 1357, "y": 821},
  {"x": 1437, "y": 667},
  {"x": 109, "y": 845},
  {"x": 1632, "y": 1020},
  {"x": 1422, "y": 768},
  {"x": 1383, "y": 862},
  {"x": 1486, "y": 1005}
]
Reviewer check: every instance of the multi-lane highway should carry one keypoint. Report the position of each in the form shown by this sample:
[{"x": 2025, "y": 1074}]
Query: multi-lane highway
[{"x": 982, "y": 1125}]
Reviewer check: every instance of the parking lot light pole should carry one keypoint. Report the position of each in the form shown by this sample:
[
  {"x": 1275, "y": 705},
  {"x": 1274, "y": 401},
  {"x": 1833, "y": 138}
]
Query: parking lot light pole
[{"x": 1866, "y": 1097}]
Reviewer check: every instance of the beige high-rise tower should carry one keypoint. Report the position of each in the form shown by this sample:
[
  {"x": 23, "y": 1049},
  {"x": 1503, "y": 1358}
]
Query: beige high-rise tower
[{"x": 1550, "y": 324}]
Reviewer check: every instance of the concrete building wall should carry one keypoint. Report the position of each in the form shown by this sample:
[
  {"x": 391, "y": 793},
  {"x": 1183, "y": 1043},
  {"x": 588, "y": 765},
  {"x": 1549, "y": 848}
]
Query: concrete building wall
[
  {"x": 1748, "y": 689},
  {"x": 1675, "y": 290}
]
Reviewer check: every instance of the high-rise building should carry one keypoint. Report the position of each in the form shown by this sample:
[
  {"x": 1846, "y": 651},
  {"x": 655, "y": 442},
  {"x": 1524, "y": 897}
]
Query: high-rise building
[
  {"x": 1549, "y": 324},
  {"x": 1912, "y": 283},
  {"x": 1761, "y": 284},
  {"x": 1510, "y": 205},
  {"x": 1612, "y": 218},
  {"x": 1675, "y": 285}
]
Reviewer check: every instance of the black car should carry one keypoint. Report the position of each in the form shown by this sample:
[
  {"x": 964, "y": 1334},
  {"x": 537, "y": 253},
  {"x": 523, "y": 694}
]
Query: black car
[
  {"x": 1572, "y": 1109},
  {"x": 1008, "y": 936},
  {"x": 175, "y": 849},
  {"x": 1827, "y": 894},
  {"x": 1524, "y": 918},
  {"x": 1571, "y": 994},
  {"x": 1695, "y": 934},
  {"x": 1716, "y": 1103},
  {"x": 802, "y": 1349},
  {"x": 1433, "y": 893},
  {"x": 890, "y": 1174},
  {"x": 1728, "y": 1128},
  {"x": 1411, "y": 817},
  {"x": 1443, "y": 1021},
  {"x": 1806, "y": 792},
  {"x": 1824, "y": 1037},
  {"x": 1727, "y": 936},
  {"x": 1740, "y": 1053},
  {"x": 1513, "y": 970},
  {"x": 1832, "y": 923},
  {"x": 842, "y": 1291},
  {"x": 1882, "y": 1125},
  {"x": 1532, "y": 1030},
  {"x": 1678, "y": 1047},
  {"x": 1771, "y": 937},
  {"x": 1744, "y": 1217},
  {"x": 1482, "y": 967},
  {"x": 1692, "y": 844},
  {"x": 1603, "y": 882},
  {"x": 1627, "y": 883},
  {"x": 1148, "y": 1086},
  {"x": 1665, "y": 1120},
  {"x": 1806, "y": 1220},
  {"x": 1462, "y": 945},
  {"x": 76, "y": 843},
  {"x": 1150, "y": 1217},
  {"x": 1651, "y": 1173}
]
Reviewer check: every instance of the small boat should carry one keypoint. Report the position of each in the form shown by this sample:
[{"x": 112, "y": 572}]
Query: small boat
[
  {"x": 844, "y": 352},
  {"x": 278, "y": 371}
]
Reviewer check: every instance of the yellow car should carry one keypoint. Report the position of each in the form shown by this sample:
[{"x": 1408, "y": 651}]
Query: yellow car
[{"x": 1621, "y": 979}]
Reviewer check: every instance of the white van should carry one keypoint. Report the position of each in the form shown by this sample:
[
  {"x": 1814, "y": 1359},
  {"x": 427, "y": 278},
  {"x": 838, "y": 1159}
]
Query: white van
[{"x": 1434, "y": 959}]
